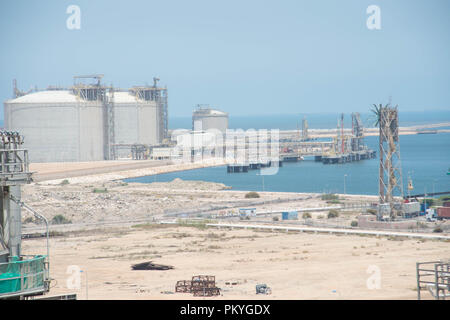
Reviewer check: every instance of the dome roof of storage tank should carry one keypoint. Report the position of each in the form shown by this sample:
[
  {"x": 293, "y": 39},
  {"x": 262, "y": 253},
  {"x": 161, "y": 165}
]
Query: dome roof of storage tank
[
  {"x": 126, "y": 97},
  {"x": 123, "y": 97},
  {"x": 210, "y": 112},
  {"x": 49, "y": 96}
]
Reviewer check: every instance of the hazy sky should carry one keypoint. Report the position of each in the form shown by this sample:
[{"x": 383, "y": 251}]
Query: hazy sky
[{"x": 244, "y": 56}]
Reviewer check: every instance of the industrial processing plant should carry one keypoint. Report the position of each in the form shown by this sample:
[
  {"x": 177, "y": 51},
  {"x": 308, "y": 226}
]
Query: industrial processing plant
[{"x": 88, "y": 121}]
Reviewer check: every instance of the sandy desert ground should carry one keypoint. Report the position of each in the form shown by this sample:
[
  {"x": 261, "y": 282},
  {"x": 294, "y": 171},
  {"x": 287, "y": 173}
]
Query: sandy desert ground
[{"x": 294, "y": 265}]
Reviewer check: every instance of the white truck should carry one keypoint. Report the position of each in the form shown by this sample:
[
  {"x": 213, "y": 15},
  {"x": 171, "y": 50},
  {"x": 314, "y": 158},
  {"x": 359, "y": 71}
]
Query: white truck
[{"x": 431, "y": 215}]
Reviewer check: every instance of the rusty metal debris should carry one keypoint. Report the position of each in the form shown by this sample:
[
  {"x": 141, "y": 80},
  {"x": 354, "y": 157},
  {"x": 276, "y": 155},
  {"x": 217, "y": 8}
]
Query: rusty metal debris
[
  {"x": 199, "y": 286},
  {"x": 150, "y": 266},
  {"x": 184, "y": 286},
  {"x": 206, "y": 292}
]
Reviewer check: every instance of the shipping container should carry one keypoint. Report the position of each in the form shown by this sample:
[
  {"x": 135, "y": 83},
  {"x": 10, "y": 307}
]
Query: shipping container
[
  {"x": 411, "y": 207},
  {"x": 290, "y": 215},
  {"x": 423, "y": 208},
  {"x": 443, "y": 213}
]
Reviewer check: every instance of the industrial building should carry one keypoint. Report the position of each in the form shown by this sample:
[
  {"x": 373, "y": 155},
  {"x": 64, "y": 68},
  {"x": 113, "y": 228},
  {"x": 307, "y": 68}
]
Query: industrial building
[
  {"x": 88, "y": 122},
  {"x": 205, "y": 118}
]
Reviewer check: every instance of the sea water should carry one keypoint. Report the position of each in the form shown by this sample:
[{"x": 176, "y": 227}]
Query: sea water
[{"x": 424, "y": 158}]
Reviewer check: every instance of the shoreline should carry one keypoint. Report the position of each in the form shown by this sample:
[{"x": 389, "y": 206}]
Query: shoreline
[{"x": 92, "y": 175}]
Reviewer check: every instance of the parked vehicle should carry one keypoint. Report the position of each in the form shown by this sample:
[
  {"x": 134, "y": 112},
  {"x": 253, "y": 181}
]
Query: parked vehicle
[
  {"x": 431, "y": 215},
  {"x": 443, "y": 213},
  {"x": 439, "y": 213}
]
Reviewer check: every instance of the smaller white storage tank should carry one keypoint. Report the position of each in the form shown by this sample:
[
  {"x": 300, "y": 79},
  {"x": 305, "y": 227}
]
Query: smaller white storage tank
[{"x": 207, "y": 118}]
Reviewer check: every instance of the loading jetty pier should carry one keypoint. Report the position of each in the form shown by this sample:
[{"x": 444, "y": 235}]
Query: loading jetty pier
[
  {"x": 295, "y": 146},
  {"x": 348, "y": 157}
]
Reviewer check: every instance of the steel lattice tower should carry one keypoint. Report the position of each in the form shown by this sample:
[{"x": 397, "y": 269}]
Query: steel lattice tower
[{"x": 391, "y": 181}]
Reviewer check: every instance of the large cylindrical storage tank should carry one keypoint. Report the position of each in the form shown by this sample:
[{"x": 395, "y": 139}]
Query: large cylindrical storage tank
[
  {"x": 207, "y": 118},
  {"x": 57, "y": 125},
  {"x": 136, "y": 121}
]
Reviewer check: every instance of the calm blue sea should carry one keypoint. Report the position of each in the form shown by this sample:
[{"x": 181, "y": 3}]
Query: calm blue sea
[{"x": 426, "y": 158}]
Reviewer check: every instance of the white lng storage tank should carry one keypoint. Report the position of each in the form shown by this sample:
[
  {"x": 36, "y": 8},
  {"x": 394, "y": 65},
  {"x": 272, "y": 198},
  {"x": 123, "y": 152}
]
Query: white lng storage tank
[
  {"x": 57, "y": 125},
  {"x": 87, "y": 122}
]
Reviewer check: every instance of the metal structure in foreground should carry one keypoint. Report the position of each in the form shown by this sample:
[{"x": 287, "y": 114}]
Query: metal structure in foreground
[
  {"x": 434, "y": 276},
  {"x": 20, "y": 275}
]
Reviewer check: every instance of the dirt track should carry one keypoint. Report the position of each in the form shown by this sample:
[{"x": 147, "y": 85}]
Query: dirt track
[{"x": 63, "y": 170}]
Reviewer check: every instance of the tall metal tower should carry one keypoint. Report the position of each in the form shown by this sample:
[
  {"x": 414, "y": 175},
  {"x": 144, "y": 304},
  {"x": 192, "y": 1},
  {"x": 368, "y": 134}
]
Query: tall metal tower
[
  {"x": 340, "y": 138},
  {"x": 342, "y": 134},
  {"x": 358, "y": 132},
  {"x": 391, "y": 181},
  {"x": 161, "y": 97},
  {"x": 305, "y": 135}
]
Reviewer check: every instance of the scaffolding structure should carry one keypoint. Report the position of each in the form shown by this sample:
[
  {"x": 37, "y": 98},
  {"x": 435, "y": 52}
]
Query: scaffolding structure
[
  {"x": 433, "y": 276},
  {"x": 357, "y": 141},
  {"x": 18, "y": 93},
  {"x": 160, "y": 96},
  {"x": 391, "y": 181},
  {"x": 110, "y": 136},
  {"x": 341, "y": 141},
  {"x": 98, "y": 92}
]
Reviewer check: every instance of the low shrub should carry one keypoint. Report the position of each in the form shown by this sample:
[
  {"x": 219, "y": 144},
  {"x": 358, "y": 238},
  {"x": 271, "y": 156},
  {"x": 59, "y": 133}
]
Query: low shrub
[
  {"x": 252, "y": 195},
  {"x": 354, "y": 223},
  {"x": 438, "y": 230},
  {"x": 28, "y": 220},
  {"x": 306, "y": 215},
  {"x": 333, "y": 214},
  {"x": 329, "y": 196},
  {"x": 60, "y": 219},
  {"x": 100, "y": 190},
  {"x": 334, "y": 202}
]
